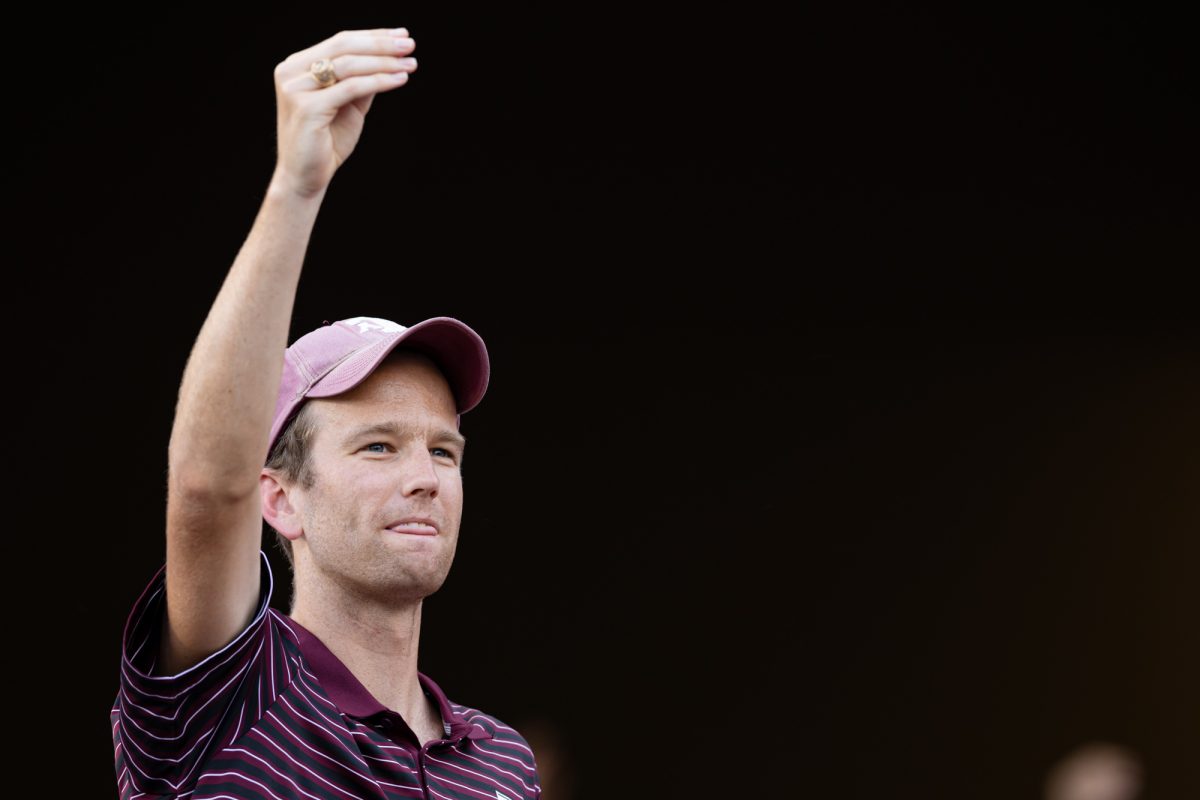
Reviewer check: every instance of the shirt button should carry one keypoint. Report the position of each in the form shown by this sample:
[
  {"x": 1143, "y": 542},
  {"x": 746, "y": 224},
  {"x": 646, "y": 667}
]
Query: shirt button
[{"x": 384, "y": 724}]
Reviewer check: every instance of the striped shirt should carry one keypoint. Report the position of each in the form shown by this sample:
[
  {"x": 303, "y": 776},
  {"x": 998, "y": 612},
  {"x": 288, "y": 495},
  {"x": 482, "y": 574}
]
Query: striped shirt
[{"x": 274, "y": 714}]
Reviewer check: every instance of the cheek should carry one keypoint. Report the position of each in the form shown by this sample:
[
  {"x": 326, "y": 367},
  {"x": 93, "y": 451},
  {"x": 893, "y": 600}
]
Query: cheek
[
  {"x": 452, "y": 487},
  {"x": 369, "y": 480}
]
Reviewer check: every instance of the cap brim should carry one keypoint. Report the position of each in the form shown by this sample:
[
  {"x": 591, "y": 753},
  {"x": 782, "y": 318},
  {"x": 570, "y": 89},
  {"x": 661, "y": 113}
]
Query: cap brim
[{"x": 457, "y": 349}]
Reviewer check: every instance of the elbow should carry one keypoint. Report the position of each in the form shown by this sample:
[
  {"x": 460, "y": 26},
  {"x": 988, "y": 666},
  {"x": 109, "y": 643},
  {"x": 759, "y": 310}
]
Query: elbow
[
  {"x": 203, "y": 482},
  {"x": 204, "y": 466}
]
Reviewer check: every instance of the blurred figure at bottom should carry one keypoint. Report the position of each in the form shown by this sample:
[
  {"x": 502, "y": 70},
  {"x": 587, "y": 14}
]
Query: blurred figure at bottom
[
  {"x": 551, "y": 750},
  {"x": 1096, "y": 771}
]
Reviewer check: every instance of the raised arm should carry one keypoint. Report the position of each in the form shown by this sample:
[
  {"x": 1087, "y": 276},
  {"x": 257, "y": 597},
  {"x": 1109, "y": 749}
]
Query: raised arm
[{"x": 228, "y": 392}]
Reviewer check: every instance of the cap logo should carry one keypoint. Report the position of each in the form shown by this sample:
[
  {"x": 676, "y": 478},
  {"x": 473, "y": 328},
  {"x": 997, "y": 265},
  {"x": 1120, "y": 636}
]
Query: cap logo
[{"x": 365, "y": 324}]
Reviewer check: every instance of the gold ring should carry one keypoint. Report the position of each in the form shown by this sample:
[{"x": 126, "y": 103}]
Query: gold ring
[{"x": 322, "y": 72}]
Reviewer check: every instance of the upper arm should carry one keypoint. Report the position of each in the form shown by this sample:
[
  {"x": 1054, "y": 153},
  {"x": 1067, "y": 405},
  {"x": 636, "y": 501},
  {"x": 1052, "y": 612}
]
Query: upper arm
[{"x": 212, "y": 570}]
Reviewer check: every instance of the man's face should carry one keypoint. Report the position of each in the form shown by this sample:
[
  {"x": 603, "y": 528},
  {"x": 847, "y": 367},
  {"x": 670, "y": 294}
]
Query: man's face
[{"x": 384, "y": 452}]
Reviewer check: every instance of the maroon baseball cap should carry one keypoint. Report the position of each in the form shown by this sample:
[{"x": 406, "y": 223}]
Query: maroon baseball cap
[{"x": 338, "y": 356}]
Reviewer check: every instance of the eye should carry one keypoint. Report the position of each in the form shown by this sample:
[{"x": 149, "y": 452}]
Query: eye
[
  {"x": 443, "y": 452},
  {"x": 377, "y": 444}
]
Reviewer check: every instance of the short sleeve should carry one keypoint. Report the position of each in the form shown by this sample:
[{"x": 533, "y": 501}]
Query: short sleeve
[{"x": 166, "y": 726}]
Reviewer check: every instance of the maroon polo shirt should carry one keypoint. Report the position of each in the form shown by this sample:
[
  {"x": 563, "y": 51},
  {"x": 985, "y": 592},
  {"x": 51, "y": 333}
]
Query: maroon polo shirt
[{"x": 275, "y": 714}]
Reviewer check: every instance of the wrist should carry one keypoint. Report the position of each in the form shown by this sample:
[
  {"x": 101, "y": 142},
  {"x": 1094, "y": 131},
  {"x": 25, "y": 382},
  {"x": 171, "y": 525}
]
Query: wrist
[{"x": 283, "y": 188}]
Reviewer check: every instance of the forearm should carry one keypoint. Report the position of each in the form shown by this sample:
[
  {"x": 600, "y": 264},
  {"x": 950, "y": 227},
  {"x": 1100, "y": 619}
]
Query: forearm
[{"x": 228, "y": 392}]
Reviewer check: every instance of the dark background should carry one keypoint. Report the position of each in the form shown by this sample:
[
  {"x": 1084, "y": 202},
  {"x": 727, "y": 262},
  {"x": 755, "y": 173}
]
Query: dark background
[{"x": 842, "y": 438}]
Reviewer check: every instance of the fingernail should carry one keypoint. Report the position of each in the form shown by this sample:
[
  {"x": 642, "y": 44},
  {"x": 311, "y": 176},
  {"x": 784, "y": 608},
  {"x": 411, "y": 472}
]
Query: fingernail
[{"x": 400, "y": 31}]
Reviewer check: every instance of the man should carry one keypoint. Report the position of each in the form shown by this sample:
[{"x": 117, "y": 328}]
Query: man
[{"x": 221, "y": 695}]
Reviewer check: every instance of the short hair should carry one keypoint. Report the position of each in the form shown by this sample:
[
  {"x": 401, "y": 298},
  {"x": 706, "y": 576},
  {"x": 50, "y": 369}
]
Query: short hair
[{"x": 289, "y": 456}]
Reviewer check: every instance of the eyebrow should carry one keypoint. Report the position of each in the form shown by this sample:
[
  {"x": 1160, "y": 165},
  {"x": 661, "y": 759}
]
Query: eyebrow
[{"x": 398, "y": 431}]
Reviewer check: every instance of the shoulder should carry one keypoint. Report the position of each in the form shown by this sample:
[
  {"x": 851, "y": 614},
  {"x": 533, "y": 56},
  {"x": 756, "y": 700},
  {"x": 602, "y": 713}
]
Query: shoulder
[
  {"x": 489, "y": 722},
  {"x": 503, "y": 750},
  {"x": 496, "y": 729},
  {"x": 164, "y": 726}
]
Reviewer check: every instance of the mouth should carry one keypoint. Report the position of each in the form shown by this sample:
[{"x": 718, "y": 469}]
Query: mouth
[{"x": 414, "y": 526}]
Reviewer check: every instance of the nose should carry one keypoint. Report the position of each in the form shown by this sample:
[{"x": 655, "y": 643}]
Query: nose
[{"x": 419, "y": 475}]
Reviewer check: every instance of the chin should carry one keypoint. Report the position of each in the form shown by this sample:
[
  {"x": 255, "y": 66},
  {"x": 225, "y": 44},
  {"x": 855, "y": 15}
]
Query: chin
[{"x": 416, "y": 590}]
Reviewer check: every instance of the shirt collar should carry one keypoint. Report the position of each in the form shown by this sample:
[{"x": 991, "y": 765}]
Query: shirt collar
[{"x": 353, "y": 699}]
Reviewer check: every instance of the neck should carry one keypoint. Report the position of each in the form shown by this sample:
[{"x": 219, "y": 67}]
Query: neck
[{"x": 377, "y": 643}]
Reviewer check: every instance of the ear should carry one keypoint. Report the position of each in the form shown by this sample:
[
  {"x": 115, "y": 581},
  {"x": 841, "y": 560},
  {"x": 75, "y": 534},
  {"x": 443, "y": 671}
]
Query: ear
[{"x": 277, "y": 507}]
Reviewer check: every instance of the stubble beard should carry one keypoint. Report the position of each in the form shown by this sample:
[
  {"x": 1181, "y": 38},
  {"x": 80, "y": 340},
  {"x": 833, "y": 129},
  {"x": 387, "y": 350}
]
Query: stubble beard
[{"x": 357, "y": 557}]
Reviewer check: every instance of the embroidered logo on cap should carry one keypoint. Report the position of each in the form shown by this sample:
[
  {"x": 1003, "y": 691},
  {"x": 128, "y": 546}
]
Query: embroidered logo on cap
[{"x": 365, "y": 324}]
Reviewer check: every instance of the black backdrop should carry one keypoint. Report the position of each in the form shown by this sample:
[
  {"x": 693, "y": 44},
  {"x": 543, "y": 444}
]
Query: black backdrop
[{"x": 842, "y": 438}]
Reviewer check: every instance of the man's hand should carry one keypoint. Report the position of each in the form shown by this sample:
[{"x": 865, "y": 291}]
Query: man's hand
[{"x": 318, "y": 128}]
